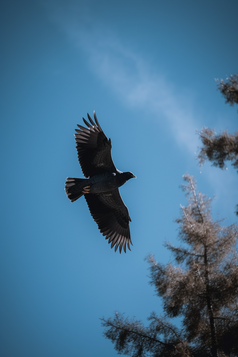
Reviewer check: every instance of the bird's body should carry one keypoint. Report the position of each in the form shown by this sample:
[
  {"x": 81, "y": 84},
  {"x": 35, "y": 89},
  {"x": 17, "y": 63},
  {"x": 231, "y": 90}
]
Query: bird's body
[{"x": 100, "y": 187}]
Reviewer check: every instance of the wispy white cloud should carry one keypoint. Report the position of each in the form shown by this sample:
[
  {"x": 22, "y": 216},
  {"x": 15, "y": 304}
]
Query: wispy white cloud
[{"x": 128, "y": 75}]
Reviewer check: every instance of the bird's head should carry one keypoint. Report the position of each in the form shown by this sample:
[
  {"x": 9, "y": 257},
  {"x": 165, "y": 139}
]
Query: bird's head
[{"x": 129, "y": 175}]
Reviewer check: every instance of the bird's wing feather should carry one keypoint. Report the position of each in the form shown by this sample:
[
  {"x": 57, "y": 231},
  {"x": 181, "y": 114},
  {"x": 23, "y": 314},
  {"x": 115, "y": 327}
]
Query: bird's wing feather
[
  {"x": 112, "y": 217},
  {"x": 94, "y": 148}
]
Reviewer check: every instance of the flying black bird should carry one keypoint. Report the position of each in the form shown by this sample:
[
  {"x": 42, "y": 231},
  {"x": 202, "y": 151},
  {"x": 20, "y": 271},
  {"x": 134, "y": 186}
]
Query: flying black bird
[{"x": 100, "y": 187}]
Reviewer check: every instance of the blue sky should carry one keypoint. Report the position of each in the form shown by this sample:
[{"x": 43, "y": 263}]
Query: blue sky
[{"x": 148, "y": 69}]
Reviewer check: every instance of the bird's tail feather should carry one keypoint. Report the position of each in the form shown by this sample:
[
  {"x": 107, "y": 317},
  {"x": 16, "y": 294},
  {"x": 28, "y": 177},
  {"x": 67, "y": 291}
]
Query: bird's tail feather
[{"x": 74, "y": 188}]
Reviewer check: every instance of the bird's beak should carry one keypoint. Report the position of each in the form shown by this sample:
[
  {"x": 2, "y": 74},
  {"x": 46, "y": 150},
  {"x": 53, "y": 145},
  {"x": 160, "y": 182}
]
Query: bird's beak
[{"x": 134, "y": 176}]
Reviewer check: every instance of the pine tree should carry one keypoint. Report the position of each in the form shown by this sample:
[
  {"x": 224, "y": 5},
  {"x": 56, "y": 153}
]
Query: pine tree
[
  {"x": 218, "y": 148},
  {"x": 202, "y": 290},
  {"x": 229, "y": 89},
  {"x": 224, "y": 146}
]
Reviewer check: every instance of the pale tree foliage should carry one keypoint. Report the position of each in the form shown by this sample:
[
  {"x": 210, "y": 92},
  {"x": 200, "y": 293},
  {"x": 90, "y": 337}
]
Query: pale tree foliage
[
  {"x": 229, "y": 89},
  {"x": 219, "y": 148},
  {"x": 202, "y": 290}
]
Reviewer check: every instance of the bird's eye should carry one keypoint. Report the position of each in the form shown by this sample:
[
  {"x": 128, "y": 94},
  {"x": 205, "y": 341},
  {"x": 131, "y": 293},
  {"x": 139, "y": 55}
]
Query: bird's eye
[{"x": 114, "y": 174}]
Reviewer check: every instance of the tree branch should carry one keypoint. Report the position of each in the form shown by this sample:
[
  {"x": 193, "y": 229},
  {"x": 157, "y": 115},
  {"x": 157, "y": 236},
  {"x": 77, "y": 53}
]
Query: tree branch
[{"x": 109, "y": 323}]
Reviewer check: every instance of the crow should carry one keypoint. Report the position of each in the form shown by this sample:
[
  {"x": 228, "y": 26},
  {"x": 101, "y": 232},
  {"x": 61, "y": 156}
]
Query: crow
[{"x": 100, "y": 187}]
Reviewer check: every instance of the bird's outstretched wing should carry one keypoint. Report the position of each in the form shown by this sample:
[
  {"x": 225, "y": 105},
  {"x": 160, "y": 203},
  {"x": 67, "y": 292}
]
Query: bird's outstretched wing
[
  {"x": 94, "y": 148},
  {"x": 111, "y": 214}
]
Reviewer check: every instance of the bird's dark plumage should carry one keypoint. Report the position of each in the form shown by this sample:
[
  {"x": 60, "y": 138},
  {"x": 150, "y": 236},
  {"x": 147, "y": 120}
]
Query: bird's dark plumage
[{"x": 100, "y": 187}]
